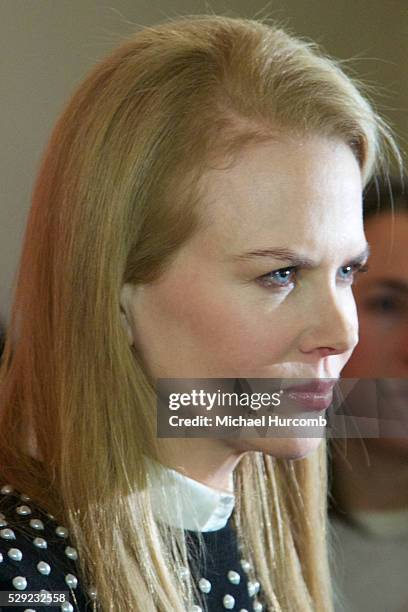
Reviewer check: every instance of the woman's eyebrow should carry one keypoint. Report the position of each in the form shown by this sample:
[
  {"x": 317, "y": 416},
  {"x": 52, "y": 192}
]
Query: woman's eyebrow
[
  {"x": 280, "y": 253},
  {"x": 295, "y": 259}
]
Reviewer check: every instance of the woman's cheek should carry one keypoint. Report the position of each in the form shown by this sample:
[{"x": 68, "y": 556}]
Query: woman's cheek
[
  {"x": 260, "y": 343},
  {"x": 233, "y": 328}
]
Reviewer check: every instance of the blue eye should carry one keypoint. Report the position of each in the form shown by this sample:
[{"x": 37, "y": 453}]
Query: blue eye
[
  {"x": 283, "y": 277},
  {"x": 347, "y": 273}
]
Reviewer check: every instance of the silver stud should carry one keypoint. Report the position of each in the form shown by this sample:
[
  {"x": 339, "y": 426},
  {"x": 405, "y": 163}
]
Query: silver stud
[
  {"x": 45, "y": 592},
  {"x": 6, "y": 489},
  {"x": 184, "y": 573},
  {"x": 71, "y": 580},
  {"x": 25, "y": 498},
  {"x": 51, "y": 516},
  {"x": 3, "y": 523},
  {"x": 7, "y": 534},
  {"x": 71, "y": 553},
  {"x": 251, "y": 588},
  {"x": 92, "y": 592},
  {"x": 228, "y": 601},
  {"x": 62, "y": 532},
  {"x": 23, "y": 510},
  {"x": 1, "y": 557},
  {"x": 15, "y": 554},
  {"x": 36, "y": 524},
  {"x": 243, "y": 610},
  {"x": 258, "y": 607},
  {"x": 40, "y": 542},
  {"x": 246, "y": 566},
  {"x": 28, "y": 610},
  {"x": 204, "y": 585},
  {"x": 196, "y": 608},
  {"x": 66, "y": 607},
  {"x": 44, "y": 568},
  {"x": 20, "y": 583},
  {"x": 234, "y": 577}
]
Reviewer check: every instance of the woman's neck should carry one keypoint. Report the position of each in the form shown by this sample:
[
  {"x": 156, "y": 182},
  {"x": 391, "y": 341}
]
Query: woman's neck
[{"x": 206, "y": 460}]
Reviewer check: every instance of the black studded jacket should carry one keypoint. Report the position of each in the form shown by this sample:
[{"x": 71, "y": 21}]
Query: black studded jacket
[{"x": 37, "y": 560}]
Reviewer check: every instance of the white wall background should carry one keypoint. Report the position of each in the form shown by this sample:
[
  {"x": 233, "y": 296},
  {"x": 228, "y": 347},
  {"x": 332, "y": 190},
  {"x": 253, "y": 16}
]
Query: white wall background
[{"x": 47, "y": 46}]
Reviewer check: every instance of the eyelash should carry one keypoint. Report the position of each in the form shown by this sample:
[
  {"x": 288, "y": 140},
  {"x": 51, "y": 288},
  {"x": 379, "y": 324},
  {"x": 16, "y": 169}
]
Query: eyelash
[{"x": 355, "y": 268}]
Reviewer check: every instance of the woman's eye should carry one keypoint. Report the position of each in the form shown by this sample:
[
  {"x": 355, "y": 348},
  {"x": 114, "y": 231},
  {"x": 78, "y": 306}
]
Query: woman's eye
[
  {"x": 283, "y": 277},
  {"x": 348, "y": 273}
]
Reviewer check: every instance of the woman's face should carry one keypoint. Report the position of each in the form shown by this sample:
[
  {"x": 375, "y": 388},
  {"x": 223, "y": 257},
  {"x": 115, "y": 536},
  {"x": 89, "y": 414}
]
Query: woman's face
[{"x": 264, "y": 288}]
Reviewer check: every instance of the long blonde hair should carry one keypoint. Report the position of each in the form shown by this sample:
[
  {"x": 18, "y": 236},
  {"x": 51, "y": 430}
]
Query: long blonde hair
[{"x": 139, "y": 130}]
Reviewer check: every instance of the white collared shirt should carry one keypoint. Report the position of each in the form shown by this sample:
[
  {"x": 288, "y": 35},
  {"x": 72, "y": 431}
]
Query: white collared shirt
[{"x": 183, "y": 502}]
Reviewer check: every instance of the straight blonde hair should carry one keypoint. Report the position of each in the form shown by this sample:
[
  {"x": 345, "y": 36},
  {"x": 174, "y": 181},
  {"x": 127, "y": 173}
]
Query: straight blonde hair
[{"x": 115, "y": 197}]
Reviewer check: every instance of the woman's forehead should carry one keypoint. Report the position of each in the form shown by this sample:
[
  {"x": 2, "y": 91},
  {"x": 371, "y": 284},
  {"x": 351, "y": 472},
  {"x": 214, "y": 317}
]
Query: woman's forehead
[
  {"x": 274, "y": 174},
  {"x": 283, "y": 190}
]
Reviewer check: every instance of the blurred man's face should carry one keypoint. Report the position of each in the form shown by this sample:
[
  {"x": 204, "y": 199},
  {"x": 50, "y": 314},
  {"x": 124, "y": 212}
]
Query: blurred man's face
[{"x": 382, "y": 302}]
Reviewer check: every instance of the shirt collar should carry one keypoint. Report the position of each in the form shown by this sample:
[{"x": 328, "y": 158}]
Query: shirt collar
[{"x": 183, "y": 502}]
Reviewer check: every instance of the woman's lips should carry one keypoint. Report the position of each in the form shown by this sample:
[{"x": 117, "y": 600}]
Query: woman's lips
[{"x": 316, "y": 395}]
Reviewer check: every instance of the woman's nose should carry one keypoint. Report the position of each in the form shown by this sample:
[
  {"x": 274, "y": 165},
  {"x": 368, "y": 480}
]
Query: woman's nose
[{"x": 331, "y": 327}]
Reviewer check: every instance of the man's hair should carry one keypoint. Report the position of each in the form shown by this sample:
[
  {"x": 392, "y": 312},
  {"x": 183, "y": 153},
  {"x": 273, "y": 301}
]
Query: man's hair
[{"x": 385, "y": 195}]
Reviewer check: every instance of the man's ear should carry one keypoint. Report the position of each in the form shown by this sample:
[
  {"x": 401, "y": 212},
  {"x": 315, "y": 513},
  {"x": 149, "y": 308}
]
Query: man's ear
[{"x": 125, "y": 302}]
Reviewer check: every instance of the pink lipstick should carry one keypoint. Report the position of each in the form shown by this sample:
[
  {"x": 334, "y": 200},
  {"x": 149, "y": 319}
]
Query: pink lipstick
[{"x": 316, "y": 395}]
